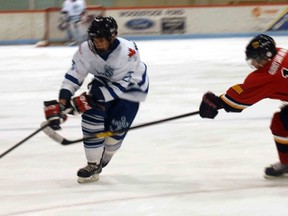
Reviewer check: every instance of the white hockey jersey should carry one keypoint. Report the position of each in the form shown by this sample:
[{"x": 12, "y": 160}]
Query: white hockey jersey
[
  {"x": 121, "y": 74},
  {"x": 74, "y": 9}
]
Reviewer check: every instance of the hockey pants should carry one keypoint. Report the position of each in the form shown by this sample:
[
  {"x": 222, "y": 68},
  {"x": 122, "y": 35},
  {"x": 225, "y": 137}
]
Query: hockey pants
[
  {"x": 118, "y": 115},
  {"x": 280, "y": 134}
]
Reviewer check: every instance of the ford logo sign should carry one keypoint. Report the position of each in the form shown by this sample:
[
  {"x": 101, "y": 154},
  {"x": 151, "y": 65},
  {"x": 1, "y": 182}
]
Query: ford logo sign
[{"x": 139, "y": 24}]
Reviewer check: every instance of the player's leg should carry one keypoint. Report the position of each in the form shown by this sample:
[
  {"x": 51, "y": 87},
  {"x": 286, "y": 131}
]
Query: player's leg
[
  {"x": 77, "y": 33},
  {"x": 279, "y": 130},
  {"x": 111, "y": 147},
  {"x": 92, "y": 123},
  {"x": 120, "y": 116},
  {"x": 83, "y": 35},
  {"x": 69, "y": 33},
  {"x": 73, "y": 34}
]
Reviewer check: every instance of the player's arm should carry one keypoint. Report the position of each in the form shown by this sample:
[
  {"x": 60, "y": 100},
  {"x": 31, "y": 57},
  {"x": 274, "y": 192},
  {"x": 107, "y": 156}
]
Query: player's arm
[
  {"x": 236, "y": 98},
  {"x": 73, "y": 78},
  {"x": 55, "y": 111}
]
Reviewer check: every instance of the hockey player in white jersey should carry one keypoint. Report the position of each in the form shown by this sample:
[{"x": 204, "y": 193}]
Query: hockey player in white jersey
[
  {"x": 120, "y": 83},
  {"x": 73, "y": 11}
]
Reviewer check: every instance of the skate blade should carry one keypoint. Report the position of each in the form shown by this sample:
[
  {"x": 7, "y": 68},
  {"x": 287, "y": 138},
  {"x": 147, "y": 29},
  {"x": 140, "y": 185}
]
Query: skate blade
[
  {"x": 92, "y": 178},
  {"x": 284, "y": 176}
]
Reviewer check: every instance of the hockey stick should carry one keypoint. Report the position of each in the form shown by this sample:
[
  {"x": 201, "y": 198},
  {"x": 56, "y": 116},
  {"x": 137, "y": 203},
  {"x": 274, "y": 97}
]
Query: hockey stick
[
  {"x": 43, "y": 126},
  {"x": 58, "y": 138}
]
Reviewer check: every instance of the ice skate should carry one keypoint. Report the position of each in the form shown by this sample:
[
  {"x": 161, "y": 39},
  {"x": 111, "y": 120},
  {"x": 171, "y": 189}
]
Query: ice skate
[
  {"x": 276, "y": 170},
  {"x": 89, "y": 173}
]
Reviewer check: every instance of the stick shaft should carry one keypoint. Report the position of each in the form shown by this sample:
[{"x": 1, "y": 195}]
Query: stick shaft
[
  {"x": 22, "y": 141},
  {"x": 164, "y": 120},
  {"x": 112, "y": 133}
]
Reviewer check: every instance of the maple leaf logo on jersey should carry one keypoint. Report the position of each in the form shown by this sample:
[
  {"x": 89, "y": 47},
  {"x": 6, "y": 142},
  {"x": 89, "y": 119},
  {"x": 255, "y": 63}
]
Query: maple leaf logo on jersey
[{"x": 131, "y": 53}]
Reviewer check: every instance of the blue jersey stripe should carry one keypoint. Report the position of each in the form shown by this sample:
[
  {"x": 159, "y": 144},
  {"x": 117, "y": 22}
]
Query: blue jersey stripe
[
  {"x": 72, "y": 79},
  {"x": 112, "y": 93},
  {"x": 143, "y": 77},
  {"x": 120, "y": 87}
]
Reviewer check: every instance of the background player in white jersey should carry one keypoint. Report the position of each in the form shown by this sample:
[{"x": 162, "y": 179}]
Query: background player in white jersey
[
  {"x": 73, "y": 11},
  {"x": 120, "y": 83}
]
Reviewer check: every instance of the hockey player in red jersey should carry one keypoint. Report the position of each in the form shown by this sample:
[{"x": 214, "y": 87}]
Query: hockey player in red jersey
[{"x": 268, "y": 80}]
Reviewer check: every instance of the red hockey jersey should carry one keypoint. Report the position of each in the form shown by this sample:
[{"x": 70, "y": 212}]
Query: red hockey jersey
[{"x": 270, "y": 81}]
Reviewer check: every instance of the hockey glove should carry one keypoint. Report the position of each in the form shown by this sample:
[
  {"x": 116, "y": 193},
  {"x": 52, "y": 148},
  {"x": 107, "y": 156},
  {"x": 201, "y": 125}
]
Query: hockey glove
[
  {"x": 84, "y": 103},
  {"x": 54, "y": 114},
  {"x": 210, "y": 105}
]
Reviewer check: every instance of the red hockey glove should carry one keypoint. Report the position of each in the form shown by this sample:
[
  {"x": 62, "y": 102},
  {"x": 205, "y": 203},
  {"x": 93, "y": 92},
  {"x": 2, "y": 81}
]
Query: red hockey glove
[
  {"x": 84, "y": 103},
  {"x": 210, "y": 105},
  {"x": 54, "y": 114},
  {"x": 81, "y": 103}
]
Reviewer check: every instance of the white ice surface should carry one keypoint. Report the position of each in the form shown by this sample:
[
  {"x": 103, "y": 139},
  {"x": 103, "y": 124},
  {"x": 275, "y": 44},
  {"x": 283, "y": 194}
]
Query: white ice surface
[{"x": 190, "y": 166}]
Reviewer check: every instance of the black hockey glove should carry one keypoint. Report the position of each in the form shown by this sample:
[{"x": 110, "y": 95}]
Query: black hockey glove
[
  {"x": 210, "y": 105},
  {"x": 54, "y": 114}
]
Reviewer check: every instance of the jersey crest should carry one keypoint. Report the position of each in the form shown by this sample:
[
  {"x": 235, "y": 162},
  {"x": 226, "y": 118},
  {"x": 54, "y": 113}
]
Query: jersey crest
[{"x": 108, "y": 71}]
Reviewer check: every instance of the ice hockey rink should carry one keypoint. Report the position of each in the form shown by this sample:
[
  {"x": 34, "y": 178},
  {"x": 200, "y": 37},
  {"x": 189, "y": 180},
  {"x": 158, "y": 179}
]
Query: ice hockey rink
[{"x": 190, "y": 166}]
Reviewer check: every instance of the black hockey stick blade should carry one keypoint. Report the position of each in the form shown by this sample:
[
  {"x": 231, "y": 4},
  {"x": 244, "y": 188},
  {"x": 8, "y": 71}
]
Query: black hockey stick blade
[
  {"x": 58, "y": 138},
  {"x": 24, "y": 140}
]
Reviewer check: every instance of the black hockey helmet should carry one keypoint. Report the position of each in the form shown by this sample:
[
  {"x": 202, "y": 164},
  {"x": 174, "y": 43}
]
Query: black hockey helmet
[
  {"x": 101, "y": 27},
  {"x": 261, "y": 47}
]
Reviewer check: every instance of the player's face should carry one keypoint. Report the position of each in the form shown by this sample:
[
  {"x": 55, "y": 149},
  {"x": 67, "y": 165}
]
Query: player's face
[{"x": 101, "y": 44}]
